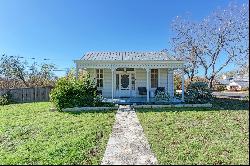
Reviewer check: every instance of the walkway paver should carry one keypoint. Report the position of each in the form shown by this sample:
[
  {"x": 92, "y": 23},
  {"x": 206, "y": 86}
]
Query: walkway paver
[{"x": 128, "y": 144}]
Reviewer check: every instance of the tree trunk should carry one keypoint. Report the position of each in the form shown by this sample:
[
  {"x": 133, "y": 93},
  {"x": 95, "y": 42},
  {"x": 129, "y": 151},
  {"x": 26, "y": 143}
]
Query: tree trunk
[{"x": 210, "y": 82}]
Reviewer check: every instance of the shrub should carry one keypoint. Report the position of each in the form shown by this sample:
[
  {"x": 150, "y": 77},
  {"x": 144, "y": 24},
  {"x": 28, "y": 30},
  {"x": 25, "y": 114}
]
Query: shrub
[
  {"x": 245, "y": 89},
  {"x": 69, "y": 92},
  {"x": 162, "y": 96},
  {"x": 198, "y": 92},
  {"x": 220, "y": 88},
  {"x": 5, "y": 99}
]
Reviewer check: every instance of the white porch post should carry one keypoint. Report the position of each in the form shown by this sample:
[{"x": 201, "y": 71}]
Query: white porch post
[
  {"x": 148, "y": 84},
  {"x": 77, "y": 70},
  {"x": 170, "y": 83},
  {"x": 112, "y": 83},
  {"x": 182, "y": 86}
]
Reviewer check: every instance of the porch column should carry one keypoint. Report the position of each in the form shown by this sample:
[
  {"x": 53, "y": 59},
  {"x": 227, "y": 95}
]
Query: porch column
[
  {"x": 170, "y": 83},
  {"x": 112, "y": 83},
  {"x": 182, "y": 86},
  {"x": 148, "y": 83},
  {"x": 77, "y": 70}
]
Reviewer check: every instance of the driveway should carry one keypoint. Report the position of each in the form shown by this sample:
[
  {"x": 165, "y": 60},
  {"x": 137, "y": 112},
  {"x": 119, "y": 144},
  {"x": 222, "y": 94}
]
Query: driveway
[{"x": 231, "y": 94}]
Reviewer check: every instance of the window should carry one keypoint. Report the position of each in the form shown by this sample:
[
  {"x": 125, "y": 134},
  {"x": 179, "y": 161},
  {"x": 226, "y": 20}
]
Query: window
[
  {"x": 154, "y": 78},
  {"x": 99, "y": 78}
]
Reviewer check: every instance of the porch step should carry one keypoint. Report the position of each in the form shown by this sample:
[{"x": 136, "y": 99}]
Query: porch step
[{"x": 125, "y": 108}]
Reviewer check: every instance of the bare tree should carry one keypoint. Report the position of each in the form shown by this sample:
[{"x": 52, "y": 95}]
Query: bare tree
[
  {"x": 185, "y": 44},
  {"x": 15, "y": 72},
  {"x": 218, "y": 40},
  {"x": 14, "y": 67},
  {"x": 224, "y": 37}
]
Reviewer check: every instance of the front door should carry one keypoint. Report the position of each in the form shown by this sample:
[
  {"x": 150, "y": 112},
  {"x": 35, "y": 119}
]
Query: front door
[{"x": 124, "y": 85}]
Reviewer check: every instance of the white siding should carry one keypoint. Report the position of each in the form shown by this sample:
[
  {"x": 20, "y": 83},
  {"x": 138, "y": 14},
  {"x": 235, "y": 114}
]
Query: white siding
[
  {"x": 107, "y": 83},
  {"x": 165, "y": 79},
  {"x": 170, "y": 82},
  {"x": 141, "y": 80},
  {"x": 106, "y": 90}
]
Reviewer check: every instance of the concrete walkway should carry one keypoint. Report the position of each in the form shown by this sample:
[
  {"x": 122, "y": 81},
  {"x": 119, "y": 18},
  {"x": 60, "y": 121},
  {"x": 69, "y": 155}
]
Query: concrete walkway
[{"x": 128, "y": 144}]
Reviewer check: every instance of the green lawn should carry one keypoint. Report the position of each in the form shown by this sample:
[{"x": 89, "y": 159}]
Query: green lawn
[
  {"x": 197, "y": 136},
  {"x": 31, "y": 134}
]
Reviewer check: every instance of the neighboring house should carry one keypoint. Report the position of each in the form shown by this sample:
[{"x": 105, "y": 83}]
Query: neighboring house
[
  {"x": 238, "y": 84},
  {"x": 131, "y": 74},
  {"x": 234, "y": 83}
]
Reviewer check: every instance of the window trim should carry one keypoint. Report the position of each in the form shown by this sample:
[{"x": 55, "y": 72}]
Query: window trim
[
  {"x": 156, "y": 77},
  {"x": 97, "y": 77}
]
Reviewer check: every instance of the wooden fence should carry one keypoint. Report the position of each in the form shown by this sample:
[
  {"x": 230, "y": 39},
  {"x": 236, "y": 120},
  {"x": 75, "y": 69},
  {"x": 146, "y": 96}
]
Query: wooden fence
[{"x": 28, "y": 94}]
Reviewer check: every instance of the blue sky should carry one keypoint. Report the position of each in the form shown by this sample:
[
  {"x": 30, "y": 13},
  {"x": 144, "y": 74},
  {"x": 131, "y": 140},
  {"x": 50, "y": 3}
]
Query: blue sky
[{"x": 63, "y": 30}]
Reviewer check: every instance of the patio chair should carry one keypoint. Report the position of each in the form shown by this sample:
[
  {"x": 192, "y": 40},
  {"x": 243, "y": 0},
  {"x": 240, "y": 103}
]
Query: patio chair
[{"x": 142, "y": 90}]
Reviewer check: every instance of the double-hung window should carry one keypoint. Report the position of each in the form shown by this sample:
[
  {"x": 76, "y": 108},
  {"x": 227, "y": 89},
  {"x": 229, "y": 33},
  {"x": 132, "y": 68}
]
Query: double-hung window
[
  {"x": 99, "y": 78},
  {"x": 154, "y": 78}
]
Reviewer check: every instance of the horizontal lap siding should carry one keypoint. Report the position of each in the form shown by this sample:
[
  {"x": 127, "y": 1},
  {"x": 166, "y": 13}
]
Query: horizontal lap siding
[
  {"x": 141, "y": 79},
  {"x": 107, "y": 84},
  {"x": 170, "y": 83},
  {"x": 163, "y": 78}
]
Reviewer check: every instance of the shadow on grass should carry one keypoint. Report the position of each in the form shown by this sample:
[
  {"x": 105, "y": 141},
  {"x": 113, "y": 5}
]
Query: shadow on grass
[{"x": 218, "y": 104}]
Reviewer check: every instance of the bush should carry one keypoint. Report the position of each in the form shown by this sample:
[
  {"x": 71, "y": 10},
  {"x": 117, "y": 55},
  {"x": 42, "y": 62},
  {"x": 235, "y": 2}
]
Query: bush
[
  {"x": 69, "y": 92},
  {"x": 198, "y": 92},
  {"x": 5, "y": 99},
  {"x": 220, "y": 88},
  {"x": 162, "y": 96},
  {"x": 245, "y": 89}
]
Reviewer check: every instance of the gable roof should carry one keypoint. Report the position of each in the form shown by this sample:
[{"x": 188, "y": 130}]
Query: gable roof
[{"x": 127, "y": 56}]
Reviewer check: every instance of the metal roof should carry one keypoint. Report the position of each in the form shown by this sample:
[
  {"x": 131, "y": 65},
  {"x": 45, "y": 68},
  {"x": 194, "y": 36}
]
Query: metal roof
[{"x": 132, "y": 56}]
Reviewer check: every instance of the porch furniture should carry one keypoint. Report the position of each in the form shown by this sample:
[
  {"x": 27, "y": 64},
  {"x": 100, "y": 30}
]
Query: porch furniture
[
  {"x": 142, "y": 90},
  {"x": 119, "y": 73}
]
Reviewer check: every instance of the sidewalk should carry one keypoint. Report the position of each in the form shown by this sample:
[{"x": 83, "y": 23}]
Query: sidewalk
[{"x": 128, "y": 144}]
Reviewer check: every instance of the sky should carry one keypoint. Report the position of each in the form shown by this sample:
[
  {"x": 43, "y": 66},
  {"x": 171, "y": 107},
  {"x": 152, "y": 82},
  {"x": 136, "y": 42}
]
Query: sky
[{"x": 63, "y": 30}]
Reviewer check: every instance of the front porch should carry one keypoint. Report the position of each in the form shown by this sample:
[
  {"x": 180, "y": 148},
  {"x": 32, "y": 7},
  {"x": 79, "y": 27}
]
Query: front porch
[
  {"x": 132, "y": 77},
  {"x": 141, "y": 100}
]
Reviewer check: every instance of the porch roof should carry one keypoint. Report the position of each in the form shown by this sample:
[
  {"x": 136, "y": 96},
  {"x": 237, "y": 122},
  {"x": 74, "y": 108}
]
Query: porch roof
[
  {"x": 114, "y": 60},
  {"x": 127, "y": 56}
]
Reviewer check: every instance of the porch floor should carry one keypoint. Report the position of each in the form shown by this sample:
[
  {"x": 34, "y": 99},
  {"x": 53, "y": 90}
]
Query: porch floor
[{"x": 140, "y": 100}]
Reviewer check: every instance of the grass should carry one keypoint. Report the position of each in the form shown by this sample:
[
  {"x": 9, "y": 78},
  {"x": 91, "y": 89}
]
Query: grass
[
  {"x": 198, "y": 135},
  {"x": 31, "y": 134}
]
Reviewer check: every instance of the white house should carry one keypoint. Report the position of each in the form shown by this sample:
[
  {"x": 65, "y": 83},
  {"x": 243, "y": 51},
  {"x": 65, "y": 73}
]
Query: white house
[
  {"x": 238, "y": 84},
  {"x": 134, "y": 75},
  {"x": 235, "y": 83}
]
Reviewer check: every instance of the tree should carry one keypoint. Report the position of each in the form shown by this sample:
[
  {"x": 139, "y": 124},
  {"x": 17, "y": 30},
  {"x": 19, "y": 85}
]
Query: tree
[
  {"x": 16, "y": 72},
  {"x": 222, "y": 36},
  {"x": 14, "y": 67},
  {"x": 71, "y": 73},
  {"x": 185, "y": 45}
]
